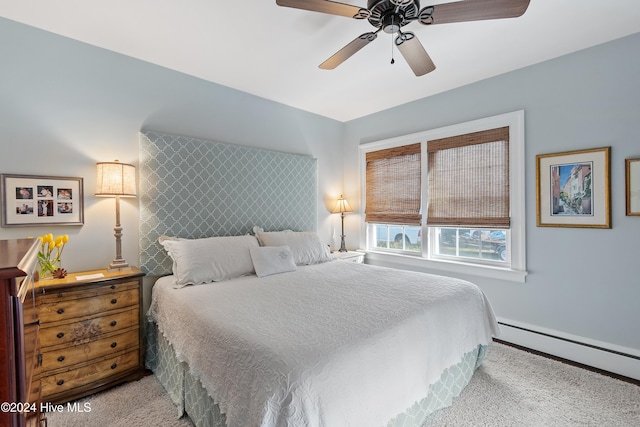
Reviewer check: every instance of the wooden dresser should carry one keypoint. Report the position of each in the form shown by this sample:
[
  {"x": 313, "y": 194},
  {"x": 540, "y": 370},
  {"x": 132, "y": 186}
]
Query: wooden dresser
[
  {"x": 90, "y": 332},
  {"x": 19, "y": 339}
]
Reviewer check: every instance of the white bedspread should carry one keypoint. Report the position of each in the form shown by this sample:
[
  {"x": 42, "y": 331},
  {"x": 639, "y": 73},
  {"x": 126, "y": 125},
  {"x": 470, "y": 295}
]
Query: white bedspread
[{"x": 335, "y": 344}]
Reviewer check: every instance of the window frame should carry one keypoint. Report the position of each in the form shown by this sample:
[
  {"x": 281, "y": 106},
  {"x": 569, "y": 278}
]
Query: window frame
[{"x": 516, "y": 271}]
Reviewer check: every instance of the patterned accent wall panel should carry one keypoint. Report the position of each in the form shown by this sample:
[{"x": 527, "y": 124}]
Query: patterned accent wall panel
[{"x": 195, "y": 188}]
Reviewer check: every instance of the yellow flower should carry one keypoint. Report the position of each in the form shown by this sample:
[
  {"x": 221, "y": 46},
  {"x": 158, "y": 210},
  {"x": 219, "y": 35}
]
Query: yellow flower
[{"x": 50, "y": 252}]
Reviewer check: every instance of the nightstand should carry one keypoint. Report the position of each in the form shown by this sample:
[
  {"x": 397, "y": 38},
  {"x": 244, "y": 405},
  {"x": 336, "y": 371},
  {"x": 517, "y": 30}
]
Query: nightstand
[
  {"x": 90, "y": 332},
  {"x": 352, "y": 256}
]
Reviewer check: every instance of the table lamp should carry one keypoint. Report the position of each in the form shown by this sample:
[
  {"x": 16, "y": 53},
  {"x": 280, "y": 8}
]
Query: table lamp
[{"x": 115, "y": 179}]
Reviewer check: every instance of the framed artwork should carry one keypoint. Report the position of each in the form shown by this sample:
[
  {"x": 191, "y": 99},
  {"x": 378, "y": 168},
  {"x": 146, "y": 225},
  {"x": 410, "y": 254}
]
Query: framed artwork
[
  {"x": 632, "y": 174},
  {"x": 32, "y": 200},
  {"x": 573, "y": 189}
]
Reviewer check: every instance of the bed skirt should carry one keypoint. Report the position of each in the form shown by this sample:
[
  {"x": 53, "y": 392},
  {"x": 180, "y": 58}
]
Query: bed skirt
[{"x": 192, "y": 400}]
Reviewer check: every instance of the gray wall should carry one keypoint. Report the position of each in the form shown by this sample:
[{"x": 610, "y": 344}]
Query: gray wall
[
  {"x": 65, "y": 105},
  {"x": 583, "y": 282}
]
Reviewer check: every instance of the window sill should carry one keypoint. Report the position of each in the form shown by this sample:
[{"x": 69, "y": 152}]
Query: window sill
[{"x": 443, "y": 267}]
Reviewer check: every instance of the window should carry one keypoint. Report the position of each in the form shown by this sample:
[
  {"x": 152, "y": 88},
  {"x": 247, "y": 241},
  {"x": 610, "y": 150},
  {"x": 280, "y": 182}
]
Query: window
[
  {"x": 397, "y": 237},
  {"x": 469, "y": 183}
]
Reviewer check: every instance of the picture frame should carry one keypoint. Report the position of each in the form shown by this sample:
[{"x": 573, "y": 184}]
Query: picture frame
[
  {"x": 632, "y": 179},
  {"x": 573, "y": 189},
  {"x": 36, "y": 200}
]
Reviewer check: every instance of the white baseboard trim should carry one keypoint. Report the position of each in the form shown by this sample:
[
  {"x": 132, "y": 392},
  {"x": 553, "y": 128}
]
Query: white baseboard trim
[{"x": 601, "y": 355}]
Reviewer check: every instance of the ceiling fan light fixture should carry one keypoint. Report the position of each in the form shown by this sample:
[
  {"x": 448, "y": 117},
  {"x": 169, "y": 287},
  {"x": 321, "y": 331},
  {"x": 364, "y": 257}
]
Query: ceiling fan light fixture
[{"x": 391, "y": 23}]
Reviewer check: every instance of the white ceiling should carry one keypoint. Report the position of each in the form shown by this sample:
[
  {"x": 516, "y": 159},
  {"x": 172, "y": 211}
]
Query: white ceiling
[{"x": 274, "y": 52}]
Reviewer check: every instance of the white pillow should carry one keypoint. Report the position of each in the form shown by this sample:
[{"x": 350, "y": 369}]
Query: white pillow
[
  {"x": 268, "y": 260},
  {"x": 211, "y": 259},
  {"x": 305, "y": 245}
]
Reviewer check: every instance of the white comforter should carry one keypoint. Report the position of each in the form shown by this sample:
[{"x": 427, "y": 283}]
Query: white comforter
[{"x": 335, "y": 344}]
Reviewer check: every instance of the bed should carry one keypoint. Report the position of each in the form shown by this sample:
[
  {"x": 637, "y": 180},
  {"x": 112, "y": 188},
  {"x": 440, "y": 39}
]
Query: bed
[{"x": 270, "y": 330}]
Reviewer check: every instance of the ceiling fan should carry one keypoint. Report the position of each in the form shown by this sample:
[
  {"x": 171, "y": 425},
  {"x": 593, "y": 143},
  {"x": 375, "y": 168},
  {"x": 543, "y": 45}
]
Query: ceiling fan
[{"x": 391, "y": 15}]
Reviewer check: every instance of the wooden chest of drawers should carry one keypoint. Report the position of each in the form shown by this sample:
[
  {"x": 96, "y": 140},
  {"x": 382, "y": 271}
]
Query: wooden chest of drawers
[{"x": 90, "y": 332}]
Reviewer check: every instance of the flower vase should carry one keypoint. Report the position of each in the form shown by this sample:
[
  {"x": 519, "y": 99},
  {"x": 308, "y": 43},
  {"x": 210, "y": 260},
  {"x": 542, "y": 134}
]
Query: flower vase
[{"x": 47, "y": 268}]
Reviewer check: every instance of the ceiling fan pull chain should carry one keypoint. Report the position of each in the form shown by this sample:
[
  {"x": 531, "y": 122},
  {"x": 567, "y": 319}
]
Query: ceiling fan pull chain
[{"x": 393, "y": 61}]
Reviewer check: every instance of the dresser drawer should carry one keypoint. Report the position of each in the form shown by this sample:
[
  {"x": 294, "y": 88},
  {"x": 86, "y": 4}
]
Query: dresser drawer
[
  {"x": 87, "y": 306},
  {"x": 103, "y": 370},
  {"x": 49, "y": 296},
  {"x": 74, "y": 354},
  {"x": 76, "y": 332}
]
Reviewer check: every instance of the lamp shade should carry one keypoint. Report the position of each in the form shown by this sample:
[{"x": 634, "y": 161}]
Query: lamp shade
[
  {"x": 342, "y": 206},
  {"x": 116, "y": 179}
]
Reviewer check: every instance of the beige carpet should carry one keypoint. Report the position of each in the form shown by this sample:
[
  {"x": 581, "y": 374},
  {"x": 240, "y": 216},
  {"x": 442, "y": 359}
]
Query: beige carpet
[
  {"x": 512, "y": 388},
  {"x": 140, "y": 403}
]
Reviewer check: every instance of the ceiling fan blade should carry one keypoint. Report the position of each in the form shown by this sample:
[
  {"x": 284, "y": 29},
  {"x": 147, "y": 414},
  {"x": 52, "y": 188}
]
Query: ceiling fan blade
[
  {"x": 472, "y": 10},
  {"x": 414, "y": 53},
  {"x": 346, "y": 52},
  {"x": 325, "y": 6}
]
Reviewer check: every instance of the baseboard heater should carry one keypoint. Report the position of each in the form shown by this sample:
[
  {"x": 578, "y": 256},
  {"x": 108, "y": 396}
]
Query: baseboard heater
[{"x": 607, "y": 357}]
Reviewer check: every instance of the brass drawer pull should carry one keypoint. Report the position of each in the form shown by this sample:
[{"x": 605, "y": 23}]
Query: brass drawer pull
[
  {"x": 60, "y": 310},
  {"x": 113, "y": 286},
  {"x": 61, "y": 358},
  {"x": 114, "y": 366},
  {"x": 60, "y": 334},
  {"x": 113, "y": 301},
  {"x": 113, "y": 323},
  {"x": 114, "y": 344},
  {"x": 60, "y": 382}
]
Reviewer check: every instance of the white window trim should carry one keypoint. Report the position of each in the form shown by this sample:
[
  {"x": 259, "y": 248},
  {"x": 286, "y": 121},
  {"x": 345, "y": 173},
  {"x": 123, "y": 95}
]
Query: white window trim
[{"x": 517, "y": 272}]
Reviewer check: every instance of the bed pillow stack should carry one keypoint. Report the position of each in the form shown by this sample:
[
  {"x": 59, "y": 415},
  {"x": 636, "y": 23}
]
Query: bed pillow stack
[{"x": 214, "y": 259}]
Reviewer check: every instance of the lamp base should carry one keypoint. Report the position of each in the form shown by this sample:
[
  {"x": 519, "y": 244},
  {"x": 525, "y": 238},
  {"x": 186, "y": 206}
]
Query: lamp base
[
  {"x": 343, "y": 246},
  {"x": 119, "y": 264}
]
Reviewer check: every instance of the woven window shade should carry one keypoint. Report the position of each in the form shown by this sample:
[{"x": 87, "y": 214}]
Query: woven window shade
[
  {"x": 469, "y": 180},
  {"x": 393, "y": 186}
]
